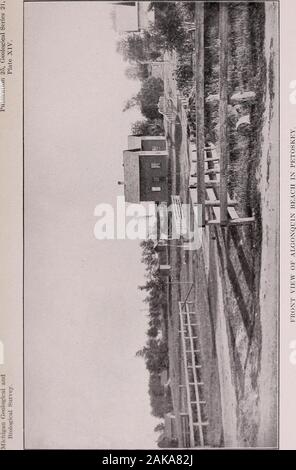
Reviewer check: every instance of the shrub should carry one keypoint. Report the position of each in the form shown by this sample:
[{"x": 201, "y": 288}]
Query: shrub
[
  {"x": 149, "y": 95},
  {"x": 148, "y": 127}
]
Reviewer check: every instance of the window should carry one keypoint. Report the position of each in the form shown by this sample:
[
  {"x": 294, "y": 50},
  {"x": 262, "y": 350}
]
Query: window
[
  {"x": 155, "y": 148},
  {"x": 156, "y": 179},
  {"x": 155, "y": 166},
  {"x": 156, "y": 189}
]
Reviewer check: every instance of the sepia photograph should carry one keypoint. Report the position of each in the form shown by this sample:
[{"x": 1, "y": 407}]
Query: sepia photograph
[{"x": 151, "y": 224}]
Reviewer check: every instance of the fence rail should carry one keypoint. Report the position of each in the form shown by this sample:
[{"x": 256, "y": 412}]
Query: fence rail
[{"x": 212, "y": 161}]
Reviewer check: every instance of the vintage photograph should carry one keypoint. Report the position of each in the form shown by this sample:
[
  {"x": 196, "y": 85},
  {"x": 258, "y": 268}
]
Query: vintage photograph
[{"x": 151, "y": 224}]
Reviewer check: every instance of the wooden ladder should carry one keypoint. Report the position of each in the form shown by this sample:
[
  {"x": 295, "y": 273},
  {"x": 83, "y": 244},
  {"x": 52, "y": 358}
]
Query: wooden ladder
[
  {"x": 195, "y": 404},
  {"x": 212, "y": 185}
]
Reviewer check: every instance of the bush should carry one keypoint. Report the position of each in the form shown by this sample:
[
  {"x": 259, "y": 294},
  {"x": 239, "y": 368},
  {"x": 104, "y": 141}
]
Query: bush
[
  {"x": 149, "y": 95},
  {"x": 155, "y": 352},
  {"x": 147, "y": 98},
  {"x": 166, "y": 443}
]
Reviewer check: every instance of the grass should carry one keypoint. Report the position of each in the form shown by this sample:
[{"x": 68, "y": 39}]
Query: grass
[{"x": 240, "y": 247}]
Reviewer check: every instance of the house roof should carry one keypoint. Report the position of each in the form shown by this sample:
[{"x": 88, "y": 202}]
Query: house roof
[
  {"x": 134, "y": 142},
  {"x": 131, "y": 176}
]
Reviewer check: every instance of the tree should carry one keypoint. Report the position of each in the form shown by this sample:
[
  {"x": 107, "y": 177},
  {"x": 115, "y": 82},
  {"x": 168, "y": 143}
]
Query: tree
[
  {"x": 153, "y": 283},
  {"x": 155, "y": 354},
  {"x": 150, "y": 260},
  {"x": 159, "y": 427},
  {"x": 132, "y": 47},
  {"x": 113, "y": 18},
  {"x": 167, "y": 443},
  {"x": 152, "y": 332},
  {"x": 148, "y": 253},
  {"x": 131, "y": 103},
  {"x": 184, "y": 76},
  {"x": 137, "y": 48},
  {"x": 149, "y": 95}
]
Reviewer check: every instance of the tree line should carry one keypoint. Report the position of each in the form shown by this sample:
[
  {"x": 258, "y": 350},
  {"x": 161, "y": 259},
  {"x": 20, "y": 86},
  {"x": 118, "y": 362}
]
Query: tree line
[{"x": 155, "y": 351}]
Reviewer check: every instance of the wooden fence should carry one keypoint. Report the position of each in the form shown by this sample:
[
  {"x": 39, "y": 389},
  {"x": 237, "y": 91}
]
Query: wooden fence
[{"x": 212, "y": 163}]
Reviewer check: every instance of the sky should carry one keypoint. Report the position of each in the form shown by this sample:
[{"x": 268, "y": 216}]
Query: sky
[{"x": 84, "y": 316}]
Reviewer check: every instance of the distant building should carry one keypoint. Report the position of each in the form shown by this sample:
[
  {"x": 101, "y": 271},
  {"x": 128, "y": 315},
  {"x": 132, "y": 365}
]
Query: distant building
[
  {"x": 146, "y": 169},
  {"x": 132, "y": 16}
]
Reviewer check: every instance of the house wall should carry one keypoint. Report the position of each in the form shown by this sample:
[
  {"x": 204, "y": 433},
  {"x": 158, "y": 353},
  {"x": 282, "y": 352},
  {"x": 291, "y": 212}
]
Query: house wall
[{"x": 153, "y": 177}]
